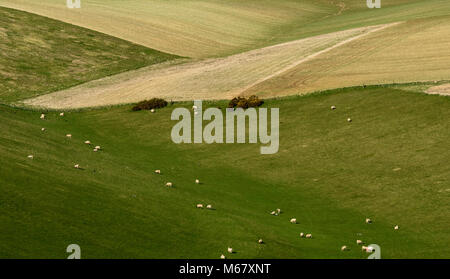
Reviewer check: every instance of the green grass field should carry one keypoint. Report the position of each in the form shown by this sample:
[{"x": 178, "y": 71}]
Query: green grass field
[
  {"x": 388, "y": 165},
  {"x": 40, "y": 55}
]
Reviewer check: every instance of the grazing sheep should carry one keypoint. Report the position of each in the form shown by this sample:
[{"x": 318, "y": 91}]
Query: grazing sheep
[
  {"x": 194, "y": 107},
  {"x": 30, "y": 156},
  {"x": 209, "y": 206},
  {"x": 302, "y": 234},
  {"x": 69, "y": 135},
  {"x": 344, "y": 248},
  {"x": 42, "y": 129},
  {"x": 260, "y": 241},
  {"x": 61, "y": 114},
  {"x": 364, "y": 248},
  {"x": 169, "y": 184},
  {"x": 273, "y": 213},
  {"x": 359, "y": 242},
  {"x": 278, "y": 210},
  {"x": 309, "y": 235},
  {"x": 77, "y": 166},
  {"x": 333, "y": 107},
  {"x": 199, "y": 205},
  {"x": 42, "y": 116},
  {"x": 158, "y": 171},
  {"x": 349, "y": 119},
  {"x": 293, "y": 221},
  {"x": 197, "y": 181},
  {"x": 368, "y": 221},
  {"x": 230, "y": 250},
  {"x": 396, "y": 227},
  {"x": 152, "y": 110},
  {"x": 97, "y": 147},
  {"x": 222, "y": 257},
  {"x": 87, "y": 142}
]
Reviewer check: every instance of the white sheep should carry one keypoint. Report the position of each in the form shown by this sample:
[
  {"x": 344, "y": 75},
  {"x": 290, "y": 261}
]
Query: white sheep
[
  {"x": 87, "y": 142},
  {"x": 302, "y": 234},
  {"x": 230, "y": 250},
  {"x": 349, "y": 119},
  {"x": 69, "y": 135},
  {"x": 95, "y": 149},
  {"x": 222, "y": 257},
  {"x": 61, "y": 114},
  {"x": 77, "y": 166},
  {"x": 333, "y": 107},
  {"x": 260, "y": 241},
  {"x": 152, "y": 110},
  {"x": 30, "y": 156},
  {"x": 98, "y": 147},
  {"x": 194, "y": 107},
  {"x": 209, "y": 206},
  {"x": 273, "y": 213},
  {"x": 42, "y": 129},
  {"x": 158, "y": 171},
  {"x": 278, "y": 210},
  {"x": 364, "y": 248},
  {"x": 42, "y": 116},
  {"x": 343, "y": 248},
  {"x": 197, "y": 181},
  {"x": 309, "y": 235},
  {"x": 293, "y": 221},
  {"x": 396, "y": 227},
  {"x": 359, "y": 242},
  {"x": 169, "y": 184},
  {"x": 368, "y": 221},
  {"x": 199, "y": 205}
]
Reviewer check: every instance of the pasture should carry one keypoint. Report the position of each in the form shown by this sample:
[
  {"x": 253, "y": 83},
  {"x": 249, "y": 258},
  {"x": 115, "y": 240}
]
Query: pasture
[{"x": 386, "y": 165}]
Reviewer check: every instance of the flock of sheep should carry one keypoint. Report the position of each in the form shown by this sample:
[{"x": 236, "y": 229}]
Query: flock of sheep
[{"x": 209, "y": 206}]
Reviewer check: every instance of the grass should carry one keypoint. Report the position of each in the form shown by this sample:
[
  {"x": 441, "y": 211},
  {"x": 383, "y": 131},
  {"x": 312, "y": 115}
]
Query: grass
[
  {"x": 41, "y": 55},
  {"x": 389, "y": 164},
  {"x": 215, "y": 28}
]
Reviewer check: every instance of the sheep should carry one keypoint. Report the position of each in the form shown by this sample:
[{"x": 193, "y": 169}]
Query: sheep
[
  {"x": 98, "y": 147},
  {"x": 333, "y": 107},
  {"x": 344, "y": 248},
  {"x": 42, "y": 116},
  {"x": 77, "y": 166},
  {"x": 61, "y": 114},
  {"x": 364, "y": 248},
  {"x": 230, "y": 250},
  {"x": 169, "y": 184},
  {"x": 260, "y": 241},
  {"x": 222, "y": 257},
  {"x": 197, "y": 181},
  {"x": 95, "y": 149},
  {"x": 309, "y": 235},
  {"x": 396, "y": 227},
  {"x": 278, "y": 210},
  {"x": 273, "y": 213},
  {"x": 30, "y": 156},
  {"x": 199, "y": 205},
  {"x": 158, "y": 171},
  {"x": 152, "y": 110},
  {"x": 349, "y": 119},
  {"x": 87, "y": 142},
  {"x": 42, "y": 129},
  {"x": 293, "y": 221},
  {"x": 209, "y": 206},
  {"x": 359, "y": 242},
  {"x": 194, "y": 107},
  {"x": 368, "y": 221},
  {"x": 69, "y": 135},
  {"x": 302, "y": 234}
]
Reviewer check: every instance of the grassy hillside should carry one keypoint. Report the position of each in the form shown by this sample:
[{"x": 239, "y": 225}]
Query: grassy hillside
[
  {"x": 214, "y": 28},
  {"x": 40, "y": 55},
  {"x": 389, "y": 164}
]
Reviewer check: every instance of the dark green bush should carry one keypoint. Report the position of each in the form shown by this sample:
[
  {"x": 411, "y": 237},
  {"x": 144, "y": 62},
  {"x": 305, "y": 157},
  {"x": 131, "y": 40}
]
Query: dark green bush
[
  {"x": 241, "y": 102},
  {"x": 150, "y": 104}
]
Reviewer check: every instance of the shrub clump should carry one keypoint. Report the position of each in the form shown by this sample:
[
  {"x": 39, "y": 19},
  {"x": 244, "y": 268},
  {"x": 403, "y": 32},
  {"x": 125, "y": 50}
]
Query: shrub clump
[
  {"x": 154, "y": 103},
  {"x": 241, "y": 102}
]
